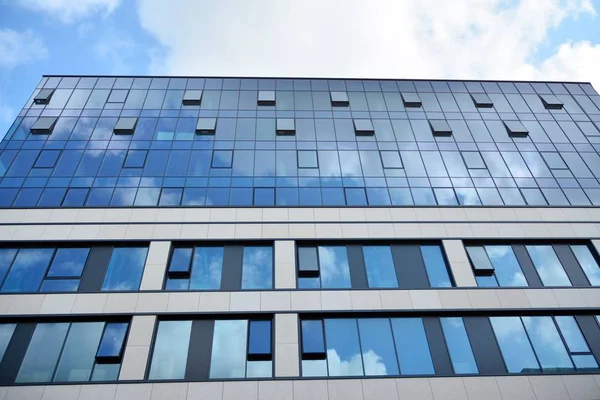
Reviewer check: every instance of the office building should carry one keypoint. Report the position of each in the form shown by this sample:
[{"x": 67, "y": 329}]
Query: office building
[{"x": 300, "y": 239}]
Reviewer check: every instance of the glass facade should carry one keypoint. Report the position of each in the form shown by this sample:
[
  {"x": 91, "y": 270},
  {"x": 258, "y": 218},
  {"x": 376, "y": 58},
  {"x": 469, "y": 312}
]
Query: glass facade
[{"x": 140, "y": 141}]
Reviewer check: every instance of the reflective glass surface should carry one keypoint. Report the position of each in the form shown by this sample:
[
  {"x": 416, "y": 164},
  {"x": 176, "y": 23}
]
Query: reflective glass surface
[
  {"x": 379, "y": 354},
  {"x": 459, "y": 346},
  {"x": 125, "y": 269},
  {"x": 28, "y": 270},
  {"x": 6, "y": 331},
  {"x": 43, "y": 352},
  {"x": 259, "y": 338},
  {"x": 548, "y": 266},
  {"x": 344, "y": 357},
  {"x": 207, "y": 266},
  {"x": 436, "y": 268},
  {"x": 113, "y": 340},
  {"x": 257, "y": 268},
  {"x": 77, "y": 358},
  {"x": 588, "y": 263},
  {"x": 515, "y": 347},
  {"x": 380, "y": 267},
  {"x": 323, "y": 157},
  {"x": 170, "y": 352},
  {"x": 335, "y": 272},
  {"x": 507, "y": 270},
  {"x": 547, "y": 343},
  {"x": 228, "y": 359},
  {"x": 68, "y": 262},
  {"x": 412, "y": 346}
]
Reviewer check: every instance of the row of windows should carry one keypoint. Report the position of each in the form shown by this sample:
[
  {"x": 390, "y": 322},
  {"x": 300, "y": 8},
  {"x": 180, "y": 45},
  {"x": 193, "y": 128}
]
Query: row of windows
[
  {"x": 118, "y": 99},
  {"x": 71, "y": 269},
  {"x": 410, "y": 346},
  {"x": 352, "y": 85},
  {"x": 61, "y": 351},
  {"x": 534, "y": 265},
  {"x": 292, "y": 196},
  {"x": 330, "y": 265},
  {"x": 218, "y": 348}
]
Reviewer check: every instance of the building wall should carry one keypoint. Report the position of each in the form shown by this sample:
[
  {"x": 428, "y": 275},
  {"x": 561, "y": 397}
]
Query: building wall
[{"x": 284, "y": 226}]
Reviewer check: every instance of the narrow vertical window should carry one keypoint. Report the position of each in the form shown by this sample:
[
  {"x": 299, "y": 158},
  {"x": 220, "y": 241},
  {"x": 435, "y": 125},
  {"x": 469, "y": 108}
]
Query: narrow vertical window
[
  {"x": 412, "y": 347},
  {"x": 435, "y": 265},
  {"x": 170, "y": 350},
  {"x": 6, "y": 331},
  {"x": 207, "y": 268},
  {"x": 344, "y": 357},
  {"x": 576, "y": 344},
  {"x": 125, "y": 269},
  {"x": 43, "y": 352},
  {"x": 514, "y": 345},
  {"x": 257, "y": 268},
  {"x": 380, "y": 267},
  {"x": 335, "y": 271},
  {"x": 78, "y": 356},
  {"x": 588, "y": 263},
  {"x": 459, "y": 346},
  {"x": 259, "y": 350},
  {"x": 228, "y": 358},
  {"x": 547, "y": 344},
  {"x": 548, "y": 266},
  {"x": 314, "y": 361},
  {"x": 377, "y": 343}
]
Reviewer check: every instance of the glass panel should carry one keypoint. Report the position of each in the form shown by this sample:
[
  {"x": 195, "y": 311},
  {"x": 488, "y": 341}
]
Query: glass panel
[
  {"x": 257, "y": 268},
  {"x": 170, "y": 353},
  {"x": 333, "y": 263},
  {"x": 77, "y": 359},
  {"x": 307, "y": 259},
  {"x": 343, "y": 349},
  {"x": 259, "y": 369},
  {"x": 588, "y": 263},
  {"x": 314, "y": 367},
  {"x": 60, "y": 285},
  {"x": 548, "y": 266},
  {"x": 106, "y": 372},
  {"x": 312, "y": 337},
  {"x": 207, "y": 268},
  {"x": 436, "y": 268},
  {"x": 514, "y": 345},
  {"x": 42, "y": 353},
  {"x": 506, "y": 267},
  {"x": 228, "y": 358},
  {"x": 547, "y": 344},
  {"x": 459, "y": 346},
  {"x": 412, "y": 346},
  {"x": 180, "y": 260},
  {"x": 112, "y": 340},
  {"x": 27, "y": 270},
  {"x": 572, "y": 335},
  {"x": 259, "y": 338},
  {"x": 585, "y": 362},
  {"x": 6, "y": 331},
  {"x": 68, "y": 262},
  {"x": 380, "y": 267},
  {"x": 6, "y": 258},
  {"x": 379, "y": 355},
  {"x": 125, "y": 269}
]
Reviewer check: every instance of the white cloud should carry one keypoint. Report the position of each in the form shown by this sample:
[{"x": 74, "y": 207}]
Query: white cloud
[
  {"x": 485, "y": 39},
  {"x": 71, "y": 10},
  {"x": 18, "y": 48}
]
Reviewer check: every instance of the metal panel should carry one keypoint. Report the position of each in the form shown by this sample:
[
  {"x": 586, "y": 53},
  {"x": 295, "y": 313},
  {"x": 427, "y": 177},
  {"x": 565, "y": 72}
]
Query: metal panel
[
  {"x": 483, "y": 343},
  {"x": 437, "y": 346},
  {"x": 570, "y": 264},
  {"x": 200, "y": 350},
  {"x": 15, "y": 352},
  {"x": 356, "y": 262},
  {"x": 591, "y": 331},
  {"x": 527, "y": 266},
  {"x": 410, "y": 268},
  {"x": 95, "y": 269},
  {"x": 233, "y": 258}
]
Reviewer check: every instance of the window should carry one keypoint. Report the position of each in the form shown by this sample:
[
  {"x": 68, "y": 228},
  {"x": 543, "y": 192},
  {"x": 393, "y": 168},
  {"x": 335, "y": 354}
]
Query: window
[
  {"x": 44, "y": 125},
  {"x": 548, "y": 266},
  {"x": 588, "y": 263},
  {"x": 225, "y": 267},
  {"x": 71, "y": 269},
  {"x": 391, "y": 159},
  {"x": 440, "y": 127},
  {"x": 307, "y": 159},
  {"x": 125, "y": 126},
  {"x": 551, "y": 102},
  {"x": 235, "y": 348},
  {"x": 266, "y": 97},
  {"x": 363, "y": 127},
  {"x": 286, "y": 126},
  {"x": 515, "y": 129},
  {"x": 206, "y": 126},
  {"x": 372, "y": 266},
  {"x": 482, "y": 100},
  {"x": 192, "y": 97},
  {"x": 117, "y": 96},
  {"x": 222, "y": 158},
  {"x": 62, "y": 351},
  {"x": 444, "y": 346},
  {"x": 411, "y": 100},
  {"x": 339, "y": 99},
  {"x": 47, "y": 159},
  {"x": 43, "y": 96},
  {"x": 135, "y": 159}
]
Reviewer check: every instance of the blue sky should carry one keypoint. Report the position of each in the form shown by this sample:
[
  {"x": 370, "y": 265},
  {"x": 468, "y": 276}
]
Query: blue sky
[{"x": 477, "y": 39}]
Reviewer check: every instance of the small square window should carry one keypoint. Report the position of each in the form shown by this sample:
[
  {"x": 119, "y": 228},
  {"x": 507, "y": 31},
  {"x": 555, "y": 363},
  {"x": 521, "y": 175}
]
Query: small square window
[
  {"x": 266, "y": 97},
  {"x": 307, "y": 159},
  {"x": 482, "y": 100},
  {"x": 125, "y": 126},
  {"x": 192, "y": 97},
  {"x": 391, "y": 159},
  {"x": 47, "y": 159},
  {"x": 222, "y": 158},
  {"x": 473, "y": 160},
  {"x": 135, "y": 159},
  {"x": 363, "y": 127},
  {"x": 286, "y": 126},
  {"x": 515, "y": 129},
  {"x": 206, "y": 126},
  {"x": 339, "y": 98},
  {"x": 44, "y": 125},
  {"x": 117, "y": 96},
  {"x": 43, "y": 96},
  {"x": 551, "y": 102},
  {"x": 439, "y": 127},
  {"x": 411, "y": 100}
]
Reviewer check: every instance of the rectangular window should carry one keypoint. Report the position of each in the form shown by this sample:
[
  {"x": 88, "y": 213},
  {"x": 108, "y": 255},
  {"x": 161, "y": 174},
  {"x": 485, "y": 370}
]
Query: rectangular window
[
  {"x": 391, "y": 159},
  {"x": 206, "y": 126},
  {"x": 117, "y": 96},
  {"x": 125, "y": 269},
  {"x": 551, "y": 102},
  {"x": 439, "y": 127},
  {"x": 363, "y": 127},
  {"x": 307, "y": 159},
  {"x": 339, "y": 99},
  {"x": 125, "y": 126},
  {"x": 482, "y": 100},
  {"x": 548, "y": 266},
  {"x": 62, "y": 351},
  {"x": 43, "y": 96},
  {"x": 459, "y": 346},
  {"x": 411, "y": 100},
  {"x": 266, "y": 97},
  {"x": 192, "y": 98},
  {"x": 225, "y": 267},
  {"x": 44, "y": 125},
  {"x": 372, "y": 266},
  {"x": 515, "y": 129},
  {"x": 235, "y": 348},
  {"x": 286, "y": 126}
]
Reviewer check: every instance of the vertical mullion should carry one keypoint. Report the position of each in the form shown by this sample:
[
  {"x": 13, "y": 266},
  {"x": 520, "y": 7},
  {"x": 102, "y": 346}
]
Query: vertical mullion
[
  {"x": 15, "y": 352},
  {"x": 356, "y": 264},
  {"x": 249, "y": 321},
  {"x": 570, "y": 265},
  {"x": 200, "y": 350},
  {"x": 591, "y": 332},
  {"x": 531, "y": 274}
]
